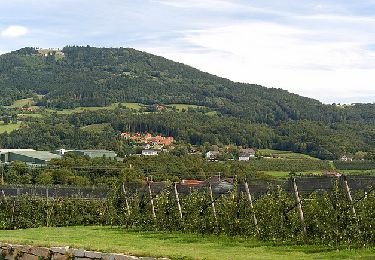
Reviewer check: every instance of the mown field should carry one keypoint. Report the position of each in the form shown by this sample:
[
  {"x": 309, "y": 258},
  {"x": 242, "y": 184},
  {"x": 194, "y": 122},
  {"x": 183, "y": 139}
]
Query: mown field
[
  {"x": 286, "y": 174},
  {"x": 135, "y": 106},
  {"x": 283, "y": 154},
  {"x": 22, "y": 102},
  {"x": 174, "y": 245},
  {"x": 83, "y": 109},
  {"x": 8, "y": 127},
  {"x": 180, "y": 107}
]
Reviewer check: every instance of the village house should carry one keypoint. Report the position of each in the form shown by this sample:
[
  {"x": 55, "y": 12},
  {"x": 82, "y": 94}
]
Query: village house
[
  {"x": 160, "y": 107},
  {"x": 149, "y": 152},
  {"x": 191, "y": 182},
  {"x": 346, "y": 158},
  {"x": 125, "y": 135},
  {"x": 246, "y": 154},
  {"x": 146, "y": 146},
  {"x": 149, "y": 139},
  {"x": 27, "y": 109},
  {"x": 212, "y": 155},
  {"x": 332, "y": 174}
]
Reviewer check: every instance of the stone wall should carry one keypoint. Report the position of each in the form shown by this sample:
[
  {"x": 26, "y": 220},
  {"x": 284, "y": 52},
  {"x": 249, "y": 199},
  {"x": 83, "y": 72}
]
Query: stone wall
[{"x": 14, "y": 252}]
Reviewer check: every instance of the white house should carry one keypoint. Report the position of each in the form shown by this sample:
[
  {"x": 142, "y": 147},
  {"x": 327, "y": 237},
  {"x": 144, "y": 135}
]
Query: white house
[
  {"x": 148, "y": 152},
  {"x": 346, "y": 158},
  {"x": 246, "y": 154},
  {"x": 212, "y": 155},
  {"x": 146, "y": 146}
]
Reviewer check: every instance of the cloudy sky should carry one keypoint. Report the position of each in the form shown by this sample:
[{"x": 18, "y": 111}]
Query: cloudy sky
[{"x": 320, "y": 49}]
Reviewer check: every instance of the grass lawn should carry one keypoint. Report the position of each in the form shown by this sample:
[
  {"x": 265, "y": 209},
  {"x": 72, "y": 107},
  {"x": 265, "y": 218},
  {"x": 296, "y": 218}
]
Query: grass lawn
[
  {"x": 36, "y": 115},
  {"x": 22, "y": 102},
  {"x": 211, "y": 113},
  {"x": 78, "y": 110},
  {"x": 129, "y": 105},
  {"x": 184, "y": 106},
  {"x": 285, "y": 154},
  {"x": 96, "y": 128},
  {"x": 135, "y": 106},
  {"x": 9, "y": 127},
  {"x": 358, "y": 172},
  {"x": 282, "y": 174},
  {"x": 173, "y": 245}
]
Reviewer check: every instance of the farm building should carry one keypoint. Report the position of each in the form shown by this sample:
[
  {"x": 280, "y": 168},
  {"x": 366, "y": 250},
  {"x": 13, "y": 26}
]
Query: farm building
[
  {"x": 149, "y": 152},
  {"x": 89, "y": 153},
  {"x": 212, "y": 155},
  {"x": 246, "y": 154},
  {"x": 28, "y": 156}
]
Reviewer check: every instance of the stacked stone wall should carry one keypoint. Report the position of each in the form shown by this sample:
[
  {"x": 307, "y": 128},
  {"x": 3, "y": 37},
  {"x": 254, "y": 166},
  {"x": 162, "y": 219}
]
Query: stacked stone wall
[{"x": 21, "y": 252}]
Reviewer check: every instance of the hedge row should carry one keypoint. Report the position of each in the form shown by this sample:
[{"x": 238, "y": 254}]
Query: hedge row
[{"x": 328, "y": 217}]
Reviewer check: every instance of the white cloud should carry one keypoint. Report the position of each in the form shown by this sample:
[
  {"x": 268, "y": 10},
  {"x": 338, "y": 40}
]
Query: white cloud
[
  {"x": 14, "y": 31},
  {"x": 339, "y": 18},
  {"x": 221, "y": 5},
  {"x": 288, "y": 57},
  {"x": 212, "y": 4}
]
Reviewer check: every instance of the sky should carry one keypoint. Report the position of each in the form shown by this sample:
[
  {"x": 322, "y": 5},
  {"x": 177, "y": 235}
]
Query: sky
[{"x": 319, "y": 49}]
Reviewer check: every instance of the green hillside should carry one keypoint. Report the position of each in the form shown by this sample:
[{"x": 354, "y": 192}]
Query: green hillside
[
  {"x": 214, "y": 110},
  {"x": 89, "y": 76}
]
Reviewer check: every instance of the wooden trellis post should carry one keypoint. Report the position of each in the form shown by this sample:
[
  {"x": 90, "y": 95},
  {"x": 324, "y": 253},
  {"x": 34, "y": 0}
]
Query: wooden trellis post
[
  {"x": 13, "y": 210},
  {"x": 177, "y": 200},
  {"x": 212, "y": 202},
  {"x": 251, "y": 206},
  {"x": 348, "y": 193},
  {"x": 299, "y": 207},
  {"x": 48, "y": 209},
  {"x": 126, "y": 199},
  {"x": 2, "y": 175},
  {"x": 151, "y": 200}
]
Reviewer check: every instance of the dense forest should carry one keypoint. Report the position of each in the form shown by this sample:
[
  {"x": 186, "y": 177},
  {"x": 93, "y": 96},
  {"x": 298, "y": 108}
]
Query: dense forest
[{"x": 245, "y": 115}]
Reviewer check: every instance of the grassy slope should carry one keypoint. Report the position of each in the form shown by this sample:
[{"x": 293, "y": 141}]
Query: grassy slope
[
  {"x": 283, "y": 174},
  {"x": 79, "y": 110},
  {"x": 35, "y": 115},
  {"x": 173, "y": 245},
  {"x": 136, "y": 106},
  {"x": 288, "y": 156},
  {"x": 184, "y": 106},
  {"x": 96, "y": 128},
  {"x": 285, "y": 154},
  {"x": 9, "y": 127},
  {"x": 22, "y": 102}
]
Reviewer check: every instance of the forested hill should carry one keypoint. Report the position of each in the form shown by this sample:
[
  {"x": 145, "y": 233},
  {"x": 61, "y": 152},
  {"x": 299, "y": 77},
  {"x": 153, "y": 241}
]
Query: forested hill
[
  {"x": 228, "y": 113},
  {"x": 87, "y": 76}
]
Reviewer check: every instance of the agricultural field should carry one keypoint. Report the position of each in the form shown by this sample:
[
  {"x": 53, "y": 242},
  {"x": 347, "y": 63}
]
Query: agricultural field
[
  {"x": 135, "y": 106},
  {"x": 174, "y": 245},
  {"x": 9, "y": 127},
  {"x": 286, "y": 174},
  {"x": 21, "y": 103},
  {"x": 283, "y": 154},
  {"x": 358, "y": 172},
  {"x": 180, "y": 107},
  {"x": 231, "y": 215},
  {"x": 34, "y": 115},
  {"x": 79, "y": 110},
  {"x": 97, "y": 128}
]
